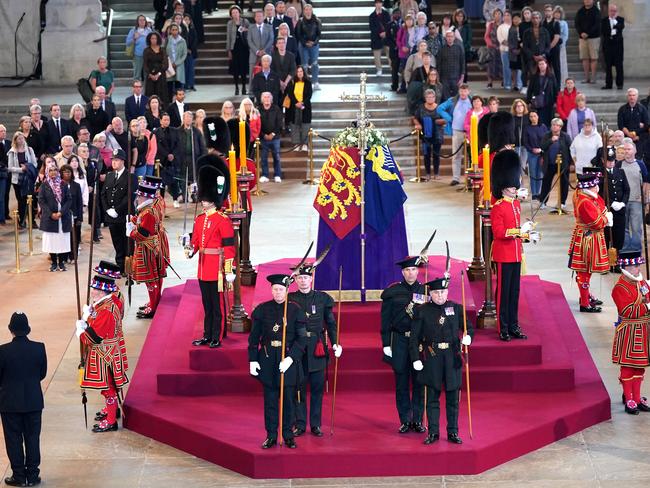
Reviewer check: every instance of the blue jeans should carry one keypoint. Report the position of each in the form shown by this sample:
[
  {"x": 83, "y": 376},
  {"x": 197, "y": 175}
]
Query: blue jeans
[
  {"x": 535, "y": 172},
  {"x": 507, "y": 78},
  {"x": 633, "y": 227},
  {"x": 189, "y": 71},
  {"x": 3, "y": 190},
  {"x": 274, "y": 147},
  {"x": 137, "y": 67},
  {"x": 309, "y": 57},
  {"x": 149, "y": 169}
]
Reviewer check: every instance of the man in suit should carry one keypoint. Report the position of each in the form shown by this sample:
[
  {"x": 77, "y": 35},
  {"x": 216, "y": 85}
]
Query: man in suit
[
  {"x": 104, "y": 103},
  {"x": 281, "y": 18},
  {"x": 5, "y": 145},
  {"x": 23, "y": 365},
  {"x": 269, "y": 14},
  {"x": 260, "y": 42},
  {"x": 612, "y": 32},
  {"x": 57, "y": 127},
  {"x": 177, "y": 108},
  {"x": 168, "y": 152},
  {"x": 136, "y": 104},
  {"x": 283, "y": 63},
  {"x": 115, "y": 201},
  {"x": 266, "y": 80}
]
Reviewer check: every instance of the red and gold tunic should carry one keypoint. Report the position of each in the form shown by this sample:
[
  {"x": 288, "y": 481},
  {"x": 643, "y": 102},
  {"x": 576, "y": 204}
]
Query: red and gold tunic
[
  {"x": 147, "y": 264},
  {"x": 159, "y": 208},
  {"x": 106, "y": 361},
  {"x": 630, "y": 346},
  {"x": 506, "y": 223},
  {"x": 118, "y": 299},
  {"x": 588, "y": 251},
  {"x": 213, "y": 239}
]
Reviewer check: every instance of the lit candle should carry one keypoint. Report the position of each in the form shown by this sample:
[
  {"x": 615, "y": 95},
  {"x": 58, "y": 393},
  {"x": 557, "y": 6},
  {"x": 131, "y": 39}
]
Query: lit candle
[
  {"x": 473, "y": 140},
  {"x": 486, "y": 174},
  {"x": 232, "y": 169},
  {"x": 242, "y": 146}
]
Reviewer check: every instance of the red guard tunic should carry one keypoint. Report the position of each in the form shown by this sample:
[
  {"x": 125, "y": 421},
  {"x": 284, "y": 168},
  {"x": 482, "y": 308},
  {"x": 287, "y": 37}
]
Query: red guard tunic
[
  {"x": 213, "y": 239},
  {"x": 118, "y": 299},
  {"x": 506, "y": 221},
  {"x": 588, "y": 251},
  {"x": 630, "y": 346},
  {"x": 106, "y": 361},
  {"x": 147, "y": 264},
  {"x": 159, "y": 208}
]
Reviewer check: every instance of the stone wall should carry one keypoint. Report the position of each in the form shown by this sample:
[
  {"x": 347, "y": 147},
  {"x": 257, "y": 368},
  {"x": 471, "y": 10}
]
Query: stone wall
[
  {"x": 10, "y": 13},
  {"x": 636, "y": 37}
]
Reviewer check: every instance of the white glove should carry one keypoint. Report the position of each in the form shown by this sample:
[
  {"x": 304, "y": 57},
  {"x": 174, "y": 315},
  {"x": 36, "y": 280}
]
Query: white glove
[
  {"x": 338, "y": 350},
  {"x": 130, "y": 227},
  {"x": 527, "y": 227},
  {"x": 522, "y": 193},
  {"x": 388, "y": 351},
  {"x": 417, "y": 365},
  {"x": 193, "y": 188},
  {"x": 610, "y": 219},
  {"x": 254, "y": 368},
  {"x": 467, "y": 340},
  {"x": 534, "y": 237},
  {"x": 86, "y": 310},
  {"x": 423, "y": 259},
  {"x": 616, "y": 206},
  {"x": 230, "y": 277},
  {"x": 285, "y": 364},
  {"x": 185, "y": 239},
  {"x": 111, "y": 213},
  {"x": 81, "y": 325}
]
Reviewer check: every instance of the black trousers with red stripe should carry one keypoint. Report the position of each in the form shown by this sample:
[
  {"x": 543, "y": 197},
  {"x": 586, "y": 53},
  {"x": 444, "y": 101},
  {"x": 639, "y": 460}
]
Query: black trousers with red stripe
[
  {"x": 507, "y": 296},
  {"x": 213, "y": 326}
]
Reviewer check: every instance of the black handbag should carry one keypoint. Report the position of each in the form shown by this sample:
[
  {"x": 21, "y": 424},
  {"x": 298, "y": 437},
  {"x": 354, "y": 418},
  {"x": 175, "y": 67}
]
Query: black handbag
[{"x": 84, "y": 88}]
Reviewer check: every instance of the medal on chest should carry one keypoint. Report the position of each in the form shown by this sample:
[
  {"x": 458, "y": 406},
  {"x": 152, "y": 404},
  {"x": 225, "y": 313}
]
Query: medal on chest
[
  {"x": 644, "y": 289},
  {"x": 441, "y": 320},
  {"x": 276, "y": 328}
]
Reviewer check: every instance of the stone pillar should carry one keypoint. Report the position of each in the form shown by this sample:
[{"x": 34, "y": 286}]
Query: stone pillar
[
  {"x": 11, "y": 12},
  {"x": 69, "y": 52},
  {"x": 636, "y": 38}
]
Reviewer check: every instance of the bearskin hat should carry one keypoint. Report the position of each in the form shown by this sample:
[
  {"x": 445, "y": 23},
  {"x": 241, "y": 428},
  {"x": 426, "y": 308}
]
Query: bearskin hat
[
  {"x": 217, "y": 134},
  {"x": 483, "y": 130},
  {"x": 506, "y": 172},
  {"x": 501, "y": 130},
  {"x": 211, "y": 188}
]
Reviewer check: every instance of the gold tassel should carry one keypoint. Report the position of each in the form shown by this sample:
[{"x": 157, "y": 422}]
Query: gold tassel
[
  {"x": 81, "y": 375},
  {"x": 523, "y": 264},
  {"x": 613, "y": 256},
  {"x": 220, "y": 282}
]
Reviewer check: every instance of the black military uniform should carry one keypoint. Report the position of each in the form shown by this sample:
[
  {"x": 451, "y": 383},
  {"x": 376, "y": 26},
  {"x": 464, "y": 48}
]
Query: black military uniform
[
  {"x": 397, "y": 309},
  {"x": 115, "y": 196},
  {"x": 435, "y": 341},
  {"x": 264, "y": 350},
  {"x": 619, "y": 191},
  {"x": 317, "y": 306}
]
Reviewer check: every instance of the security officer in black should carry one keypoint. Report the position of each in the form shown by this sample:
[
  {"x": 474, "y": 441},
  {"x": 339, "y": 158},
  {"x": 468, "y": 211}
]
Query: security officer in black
[
  {"x": 397, "y": 311},
  {"x": 115, "y": 202},
  {"x": 435, "y": 350},
  {"x": 321, "y": 324},
  {"x": 265, "y": 357}
]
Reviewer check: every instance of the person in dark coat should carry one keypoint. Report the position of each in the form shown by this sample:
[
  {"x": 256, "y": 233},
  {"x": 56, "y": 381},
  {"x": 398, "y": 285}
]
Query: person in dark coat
[
  {"x": 555, "y": 143},
  {"x": 115, "y": 201},
  {"x": 542, "y": 91},
  {"x": 76, "y": 207},
  {"x": 379, "y": 23},
  {"x": 23, "y": 365},
  {"x": 536, "y": 44},
  {"x": 397, "y": 313},
  {"x": 321, "y": 325},
  {"x": 55, "y": 201},
  {"x": 96, "y": 119},
  {"x": 299, "y": 111},
  {"x": 612, "y": 31},
  {"x": 435, "y": 351},
  {"x": 169, "y": 154},
  {"x": 265, "y": 357},
  {"x": 266, "y": 80}
]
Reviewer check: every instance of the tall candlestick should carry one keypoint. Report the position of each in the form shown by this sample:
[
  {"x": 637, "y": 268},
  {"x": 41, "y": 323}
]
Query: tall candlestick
[
  {"x": 242, "y": 145},
  {"x": 486, "y": 174},
  {"x": 232, "y": 169},
  {"x": 473, "y": 140}
]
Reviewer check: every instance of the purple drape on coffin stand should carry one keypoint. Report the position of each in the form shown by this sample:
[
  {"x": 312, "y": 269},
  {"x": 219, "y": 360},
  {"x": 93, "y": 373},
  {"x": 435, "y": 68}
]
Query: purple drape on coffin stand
[{"x": 382, "y": 251}]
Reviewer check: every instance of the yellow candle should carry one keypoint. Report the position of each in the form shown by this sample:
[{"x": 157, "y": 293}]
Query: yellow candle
[
  {"x": 242, "y": 146},
  {"x": 486, "y": 174},
  {"x": 473, "y": 140},
  {"x": 232, "y": 167}
]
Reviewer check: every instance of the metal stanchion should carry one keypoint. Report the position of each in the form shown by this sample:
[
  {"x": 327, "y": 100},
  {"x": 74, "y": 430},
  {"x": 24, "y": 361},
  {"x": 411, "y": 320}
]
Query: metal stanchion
[
  {"x": 418, "y": 174},
  {"x": 469, "y": 185},
  {"x": 258, "y": 192},
  {"x": 558, "y": 210},
  {"x": 157, "y": 166},
  {"x": 17, "y": 269},
  {"x": 310, "y": 178},
  {"x": 30, "y": 229}
]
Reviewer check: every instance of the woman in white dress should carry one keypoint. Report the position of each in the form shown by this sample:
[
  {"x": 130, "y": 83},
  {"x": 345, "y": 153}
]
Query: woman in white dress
[{"x": 56, "y": 220}]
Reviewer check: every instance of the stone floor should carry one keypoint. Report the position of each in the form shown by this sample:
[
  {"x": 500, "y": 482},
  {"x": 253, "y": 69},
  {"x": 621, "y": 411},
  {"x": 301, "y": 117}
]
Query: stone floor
[{"x": 612, "y": 454}]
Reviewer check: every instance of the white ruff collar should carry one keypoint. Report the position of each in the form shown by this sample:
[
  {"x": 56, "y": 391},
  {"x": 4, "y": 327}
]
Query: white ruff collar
[
  {"x": 590, "y": 193},
  {"x": 144, "y": 204},
  {"x": 629, "y": 276}
]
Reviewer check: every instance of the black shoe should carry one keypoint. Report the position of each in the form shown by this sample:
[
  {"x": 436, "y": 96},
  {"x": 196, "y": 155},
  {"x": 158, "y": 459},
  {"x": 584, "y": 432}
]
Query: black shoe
[
  {"x": 215, "y": 344},
  {"x": 142, "y": 307},
  {"x": 593, "y": 301},
  {"x": 201, "y": 342},
  {"x": 99, "y": 416},
  {"x": 145, "y": 315},
  {"x": 518, "y": 334},
  {"x": 605, "y": 87},
  {"x": 11, "y": 481},
  {"x": 453, "y": 438},
  {"x": 243, "y": 91},
  {"x": 236, "y": 91},
  {"x": 268, "y": 443},
  {"x": 401, "y": 90},
  {"x": 623, "y": 398},
  {"x": 316, "y": 431},
  {"x": 590, "y": 309},
  {"x": 504, "y": 336},
  {"x": 34, "y": 482},
  {"x": 631, "y": 408},
  {"x": 454, "y": 183},
  {"x": 298, "y": 431},
  {"x": 619, "y": 87},
  {"x": 290, "y": 443},
  {"x": 404, "y": 428},
  {"x": 108, "y": 428},
  {"x": 62, "y": 267},
  {"x": 418, "y": 427},
  {"x": 53, "y": 268},
  {"x": 96, "y": 241},
  {"x": 431, "y": 438},
  {"x": 643, "y": 405}
]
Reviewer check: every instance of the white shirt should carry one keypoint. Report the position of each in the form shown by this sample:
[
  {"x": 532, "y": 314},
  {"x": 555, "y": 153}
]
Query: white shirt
[
  {"x": 119, "y": 173},
  {"x": 181, "y": 107}
]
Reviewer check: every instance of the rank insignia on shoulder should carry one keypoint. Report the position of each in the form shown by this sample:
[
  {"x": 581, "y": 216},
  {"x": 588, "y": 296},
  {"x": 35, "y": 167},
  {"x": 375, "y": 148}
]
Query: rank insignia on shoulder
[
  {"x": 419, "y": 298},
  {"x": 449, "y": 311},
  {"x": 276, "y": 328}
]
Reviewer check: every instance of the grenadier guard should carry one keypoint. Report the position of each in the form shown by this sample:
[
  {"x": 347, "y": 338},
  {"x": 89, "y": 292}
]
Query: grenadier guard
[
  {"x": 508, "y": 230},
  {"x": 321, "y": 325},
  {"x": 147, "y": 265},
  {"x": 105, "y": 360},
  {"x": 265, "y": 357},
  {"x": 435, "y": 352},
  {"x": 631, "y": 294},
  {"x": 587, "y": 250},
  {"x": 213, "y": 240},
  {"x": 397, "y": 312}
]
